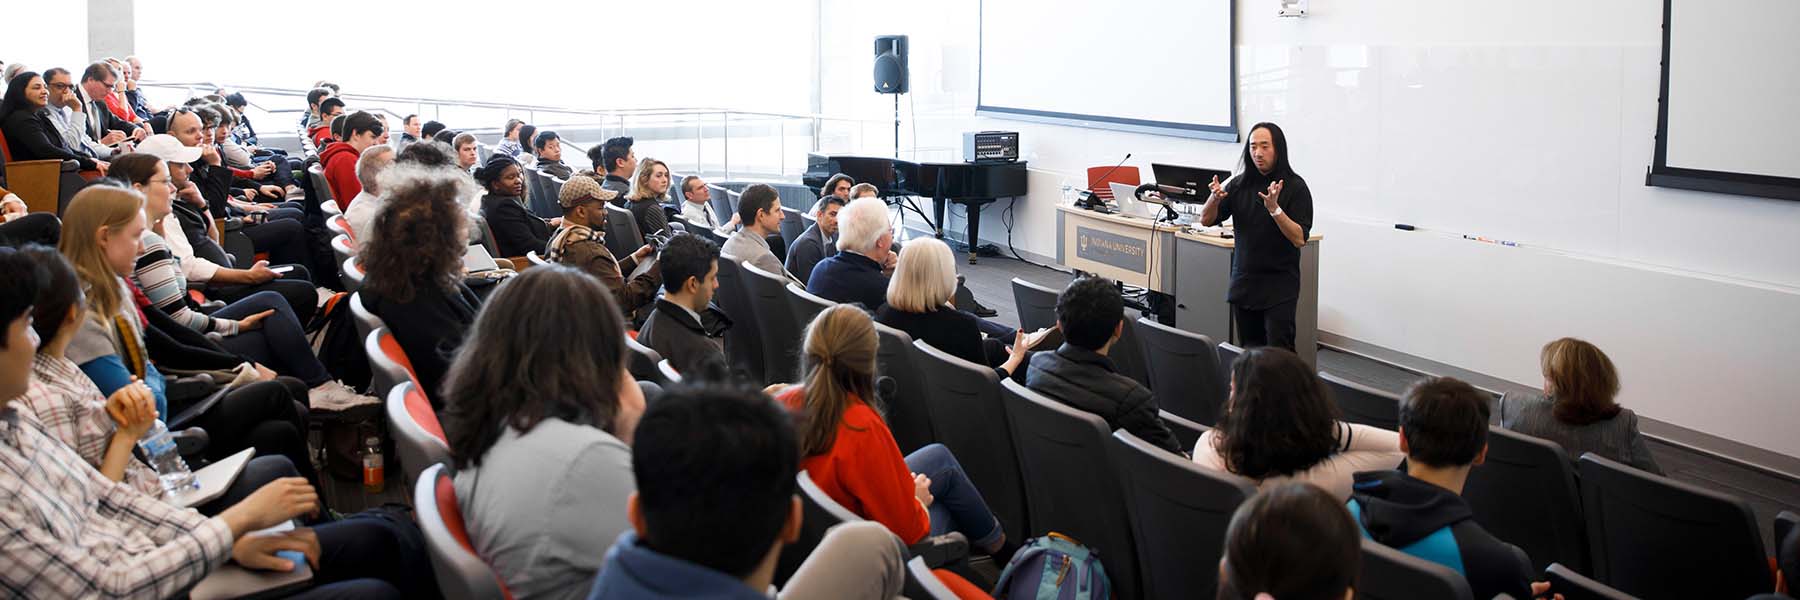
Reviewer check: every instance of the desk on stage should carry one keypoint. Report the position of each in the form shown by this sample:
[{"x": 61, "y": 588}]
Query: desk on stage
[{"x": 1194, "y": 268}]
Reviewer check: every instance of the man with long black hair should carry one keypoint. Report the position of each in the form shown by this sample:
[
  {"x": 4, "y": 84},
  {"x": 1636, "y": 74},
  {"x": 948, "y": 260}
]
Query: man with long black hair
[{"x": 1265, "y": 269}]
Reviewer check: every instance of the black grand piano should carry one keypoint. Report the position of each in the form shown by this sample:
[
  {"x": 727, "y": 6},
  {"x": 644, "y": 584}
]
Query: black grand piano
[{"x": 972, "y": 185}]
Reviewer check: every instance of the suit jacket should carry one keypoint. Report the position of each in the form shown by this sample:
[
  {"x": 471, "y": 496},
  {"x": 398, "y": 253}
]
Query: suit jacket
[
  {"x": 516, "y": 230},
  {"x": 753, "y": 249},
  {"x": 851, "y": 278},
  {"x": 808, "y": 249},
  {"x": 686, "y": 343},
  {"x": 101, "y": 119},
  {"x": 31, "y": 135}
]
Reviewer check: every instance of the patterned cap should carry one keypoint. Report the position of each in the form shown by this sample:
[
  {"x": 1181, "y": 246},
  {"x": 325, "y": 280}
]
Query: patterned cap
[{"x": 581, "y": 188}]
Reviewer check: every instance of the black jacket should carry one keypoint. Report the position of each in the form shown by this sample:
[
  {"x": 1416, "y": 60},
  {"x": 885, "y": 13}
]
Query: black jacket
[
  {"x": 516, "y": 230},
  {"x": 1435, "y": 524},
  {"x": 429, "y": 328},
  {"x": 849, "y": 278},
  {"x": 953, "y": 331},
  {"x": 1087, "y": 380},
  {"x": 649, "y": 216},
  {"x": 31, "y": 136},
  {"x": 685, "y": 343},
  {"x": 808, "y": 249}
]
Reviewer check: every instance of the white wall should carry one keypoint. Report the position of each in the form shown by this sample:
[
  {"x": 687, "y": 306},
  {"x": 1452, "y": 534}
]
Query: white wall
[
  {"x": 46, "y": 34},
  {"x": 1530, "y": 121}
]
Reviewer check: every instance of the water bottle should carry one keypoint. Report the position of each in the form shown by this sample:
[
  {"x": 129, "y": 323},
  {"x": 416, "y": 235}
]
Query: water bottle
[
  {"x": 159, "y": 446},
  {"x": 1068, "y": 193},
  {"x": 374, "y": 477}
]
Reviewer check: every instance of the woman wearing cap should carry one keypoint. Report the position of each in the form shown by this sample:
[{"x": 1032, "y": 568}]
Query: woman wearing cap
[
  {"x": 580, "y": 244},
  {"x": 516, "y": 230}
]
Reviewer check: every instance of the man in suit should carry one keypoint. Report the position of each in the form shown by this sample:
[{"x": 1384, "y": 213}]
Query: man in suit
[
  {"x": 68, "y": 114},
  {"x": 759, "y": 207},
  {"x": 98, "y": 82},
  {"x": 818, "y": 242}
]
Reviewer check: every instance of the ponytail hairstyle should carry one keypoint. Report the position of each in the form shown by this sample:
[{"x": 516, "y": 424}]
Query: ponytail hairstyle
[
  {"x": 1293, "y": 541},
  {"x": 838, "y": 360}
]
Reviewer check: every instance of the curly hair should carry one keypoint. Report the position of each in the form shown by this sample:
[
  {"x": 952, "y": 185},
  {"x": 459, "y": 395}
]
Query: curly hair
[
  {"x": 1279, "y": 420},
  {"x": 418, "y": 238}
]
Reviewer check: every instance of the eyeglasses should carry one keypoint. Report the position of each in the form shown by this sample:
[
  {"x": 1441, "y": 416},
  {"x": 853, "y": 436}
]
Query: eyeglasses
[{"x": 62, "y": 86}]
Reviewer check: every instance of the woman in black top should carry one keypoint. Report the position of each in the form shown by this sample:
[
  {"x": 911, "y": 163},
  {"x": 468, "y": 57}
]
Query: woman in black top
[
  {"x": 918, "y": 303},
  {"x": 1265, "y": 269},
  {"x": 25, "y": 117},
  {"x": 516, "y": 230},
  {"x": 413, "y": 260}
]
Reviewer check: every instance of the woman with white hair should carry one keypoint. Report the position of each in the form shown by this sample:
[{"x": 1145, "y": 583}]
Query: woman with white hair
[{"x": 919, "y": 303}]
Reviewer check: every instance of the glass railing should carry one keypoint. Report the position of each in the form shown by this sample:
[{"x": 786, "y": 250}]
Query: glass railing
[{"x": 717, "y": 143}]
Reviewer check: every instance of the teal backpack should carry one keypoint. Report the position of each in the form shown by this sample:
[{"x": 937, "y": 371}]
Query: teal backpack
[{"x": 1053, "y": 567}]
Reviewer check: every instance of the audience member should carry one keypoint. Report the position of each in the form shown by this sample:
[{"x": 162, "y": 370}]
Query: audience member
[
  {"x": 818, "y": 241},
  {"x": 697, "y": 207},
  {"x": 1291, "y": 541},
  {"x": 838, "y": 186},
  {"x": 526, "y": 155},
  {"x": 715, "y": 503},
  {"x": 847, "y": 449},
  {"x": 30, "y": 132},
  {"x": 411, "y": 130},
  {"x": 863, "y": 190},
  {"x": 106, "y": 109},
  {"x": 369, "y": 166},
  {"x": 467, "y": 158},
  {"x": 1080, "y": 373},
  {"x": 549, "y": 154},
  {"x": 509, "y": 140},
  {"x": 12, "y": 71},
  {"x": 759, "y": 207},
  {"x": 430, "y": 130},
  {"x": 361, "y": 130},
  {"x": 684, "y": 327},
  {"x": 314, "y": 117},
  {"x": 90, "y": 536},
  {"x": 616, "y": 159},
  {"x": 516, "y": 230},
  {"x": 449, "y": 137},
  {"x": 1443, "y": 430},
  {"x": 649, "y": 190},
  {"x": 1578, "y": 409},
  {"x": 68, "y": 113},
  {"x": 322, "y": 133},
  {"x": 858, "y": 272},
  {"x": 580, "y": 243},
  {"x": 566, "y": 429},
  {"x": 20, "y": 226},
  {"x": 245, "y": 133},
  {"x": 283, "y": 239},
  {"x": 412, "y": 260},
  {"x": 104, "y": 224},
  {"x": 1280, "y": 425},
  {"x": 918, "y": 303}
]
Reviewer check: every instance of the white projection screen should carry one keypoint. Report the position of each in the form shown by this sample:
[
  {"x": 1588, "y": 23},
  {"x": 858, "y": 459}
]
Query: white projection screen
[
  {"x": 1730, "y": 85},
  {"x": 1152, "y": 66}
]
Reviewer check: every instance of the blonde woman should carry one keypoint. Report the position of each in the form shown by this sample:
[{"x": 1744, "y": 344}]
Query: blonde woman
[
  {"x": 919, "y": 303},
  {"x": 649, "y": 190}
]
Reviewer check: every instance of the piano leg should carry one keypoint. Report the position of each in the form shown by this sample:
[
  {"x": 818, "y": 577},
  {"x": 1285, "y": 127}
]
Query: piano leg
[
  {"x": 974, "y": 210},
  {"x": 937, "y": 208}
]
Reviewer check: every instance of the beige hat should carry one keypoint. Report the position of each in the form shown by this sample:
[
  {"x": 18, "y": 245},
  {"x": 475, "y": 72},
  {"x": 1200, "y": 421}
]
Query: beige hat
[{"x": 581, "y": 188}]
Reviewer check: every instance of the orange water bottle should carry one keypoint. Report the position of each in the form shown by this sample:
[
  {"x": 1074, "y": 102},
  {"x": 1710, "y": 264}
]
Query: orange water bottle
[{"x": 374, "y": 476}]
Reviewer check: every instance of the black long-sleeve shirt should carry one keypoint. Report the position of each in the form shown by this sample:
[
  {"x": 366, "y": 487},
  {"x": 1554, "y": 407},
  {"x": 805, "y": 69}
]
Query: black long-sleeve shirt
[{"x": 516, "y": 230}]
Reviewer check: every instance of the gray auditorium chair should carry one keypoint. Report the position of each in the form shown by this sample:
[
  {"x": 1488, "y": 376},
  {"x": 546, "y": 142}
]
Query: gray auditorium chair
[
  {"x": 1228, "y": 355},
  {"x": 352, "y": 273},
  {"x": 805, "y": 305},
  {"x": 641, "y": 362},
  {"x": 1649, "y": 535},
  {"x": 724, "y": 202},
  {"x": 1036, "y": 305},
  {"x": 1389, "y": 574},
  {"x": 969, "y": 418},
  {"x": 1187, "y": 432},
  {"x": 668, "y": 371},
  {"x": 743, "y": 342},
  {"x": 1179, "y": 512},
  {"x": 622, "y": 235},
  {"x": 1525, "y": 494},
  {"x": 818, "y": 513},
  {"x": 792, "y": 225},
  {"x": 922, "y": 584},
  {"x": 1363, "y": 404},
  {"x": 1128, "y": 353},
  {"x": 1570, "y": 584},
  {"x": 1073, "y": 490},
  {"x": 908, "y": 414},
  {"x": 775, "y": 316},
  {"x": 1186, "y": 366},
  {"x": 366, "y": 322},
  {"x": 537, "y": 260},
  {"x": 461, "y": 574},
  {"x": 342, "y": 248}
]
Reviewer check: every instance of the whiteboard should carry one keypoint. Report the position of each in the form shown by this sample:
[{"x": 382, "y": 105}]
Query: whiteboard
[{"x": 1151, "y": 66}]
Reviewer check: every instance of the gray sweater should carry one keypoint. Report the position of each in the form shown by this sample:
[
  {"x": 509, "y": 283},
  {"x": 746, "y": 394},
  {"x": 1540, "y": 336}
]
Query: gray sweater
[
  {"x": 543, "y": 507},
  {"x": 1616, "y": 438}
]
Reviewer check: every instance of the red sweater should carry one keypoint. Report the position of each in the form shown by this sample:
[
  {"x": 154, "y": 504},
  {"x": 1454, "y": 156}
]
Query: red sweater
[
  {"x": 339, "y": 160},
  {"x": 864, "y": 470}
]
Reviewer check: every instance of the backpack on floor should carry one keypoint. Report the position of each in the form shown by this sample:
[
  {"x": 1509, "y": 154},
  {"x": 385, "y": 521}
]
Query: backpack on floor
[
  {"x": 333, "y": 331},
  {"x": 1053, "y": 567}
]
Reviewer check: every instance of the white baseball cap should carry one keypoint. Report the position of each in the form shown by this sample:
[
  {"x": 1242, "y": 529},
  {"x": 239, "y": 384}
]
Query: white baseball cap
[{"x": 166, "y": 147}]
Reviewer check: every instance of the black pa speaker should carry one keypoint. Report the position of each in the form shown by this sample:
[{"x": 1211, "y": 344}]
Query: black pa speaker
[{"x": 890, "y": 64}]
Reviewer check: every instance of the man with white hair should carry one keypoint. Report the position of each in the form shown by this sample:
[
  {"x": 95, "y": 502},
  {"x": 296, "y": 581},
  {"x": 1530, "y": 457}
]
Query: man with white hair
[
  {"x": 858, "y": 272},
  {"x": 369, "y": 166}
]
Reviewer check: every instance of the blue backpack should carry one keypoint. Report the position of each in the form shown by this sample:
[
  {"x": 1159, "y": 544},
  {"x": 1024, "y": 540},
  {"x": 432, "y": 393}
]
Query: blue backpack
[{"x": 1053, "y": 567}]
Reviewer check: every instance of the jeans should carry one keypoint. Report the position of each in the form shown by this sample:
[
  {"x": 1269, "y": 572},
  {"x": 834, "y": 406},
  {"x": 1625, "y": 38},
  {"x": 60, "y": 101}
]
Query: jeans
[
  {"x": 284, "y": 240},
  {"x": 1272, "y": 326},
  {"x": 257, "y": 473},
  {"x": 281, "y": 341},
  {"x": 295, "y": 286},
  {"x": 956, "y": 504}
]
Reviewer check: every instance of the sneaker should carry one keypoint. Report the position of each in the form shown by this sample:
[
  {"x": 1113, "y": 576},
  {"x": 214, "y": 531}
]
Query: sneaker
[{"x": 335, "y": 396}]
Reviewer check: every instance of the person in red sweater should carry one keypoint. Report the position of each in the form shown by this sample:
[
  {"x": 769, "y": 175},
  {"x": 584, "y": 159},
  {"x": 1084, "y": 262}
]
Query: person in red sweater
[
  {"x": 848, "y": 451},
  {"x": 361, "y": 130},
  {"x": 320, "y": 132}
]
